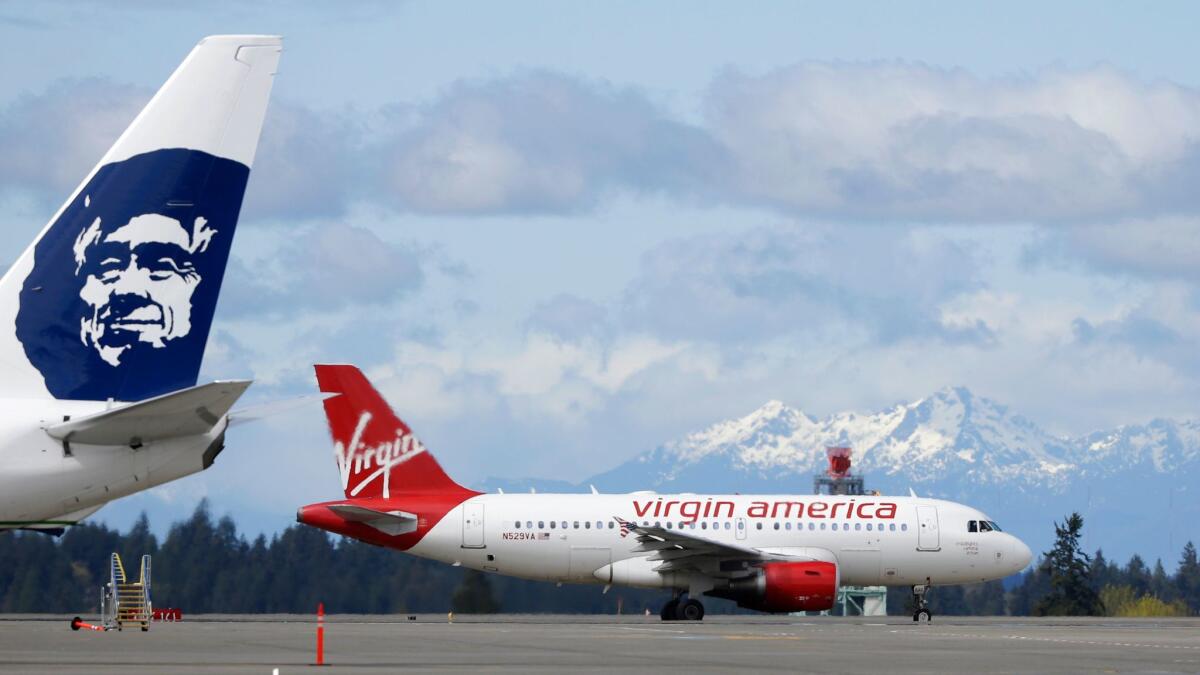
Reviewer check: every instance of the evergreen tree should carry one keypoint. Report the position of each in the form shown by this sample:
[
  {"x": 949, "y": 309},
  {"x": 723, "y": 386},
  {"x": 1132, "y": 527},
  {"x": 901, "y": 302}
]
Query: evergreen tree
[
  {"x": 138, "y": 542},
  {"x": 1187, "y": 578},
  {"x": 988, "y": 599},
  {"x": 1137, "y": 575},
  {"x": 1161, "y": 585},
  {"x": 474, "y": 595},
  {"x": 948, "y": 600},
  {"x": 1102, "y": 572},
  {"x": 1071, "y": 592},
  {"x": 1035, "y": 585}
]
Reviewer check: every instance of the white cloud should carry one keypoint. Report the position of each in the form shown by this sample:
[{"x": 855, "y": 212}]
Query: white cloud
[
  {"x": 1166, "y": 247},
  {"x": 871, "y": 284},
  {"x": 891, "y": 140},
  {"x": 307, "y": 164},
  {"x": 52, "y": 139},
  {"x": 538, "y": 142},
  {"x": 326, "y": 266},
  {"x": 886, "y": 141},
  {"x": 1163, "y": 329},
  {"x": 537, "y": 405},
  {"x": 569, "y": 317},
  {"x": 880, "y": 141},
  {"x": 533, "y": 368}
]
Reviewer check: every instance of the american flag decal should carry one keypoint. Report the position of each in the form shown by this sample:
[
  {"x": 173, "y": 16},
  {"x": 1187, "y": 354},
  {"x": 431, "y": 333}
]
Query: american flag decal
[
  {"x": 543, "y": 535},
  {"x": 626, "y": 526}
]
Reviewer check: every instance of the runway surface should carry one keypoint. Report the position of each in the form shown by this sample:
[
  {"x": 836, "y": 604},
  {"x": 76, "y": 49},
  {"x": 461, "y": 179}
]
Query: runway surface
[{"x": 552, "y": 644}]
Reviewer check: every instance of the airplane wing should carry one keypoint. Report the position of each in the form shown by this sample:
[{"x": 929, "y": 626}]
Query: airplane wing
[
  {"x": 682, "y": 550},
  {"x": 187, "y": 412},
  {"x": 391, "y": 523}
]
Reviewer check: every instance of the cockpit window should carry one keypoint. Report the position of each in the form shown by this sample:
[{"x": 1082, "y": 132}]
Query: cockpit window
[{"x": 983, "y": 526}]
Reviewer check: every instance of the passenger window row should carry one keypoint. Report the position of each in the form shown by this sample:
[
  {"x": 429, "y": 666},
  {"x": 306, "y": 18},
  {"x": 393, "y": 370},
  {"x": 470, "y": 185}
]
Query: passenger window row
[
  {"x": 845, "y": 527},
  {"x": 541, "y": 525}
]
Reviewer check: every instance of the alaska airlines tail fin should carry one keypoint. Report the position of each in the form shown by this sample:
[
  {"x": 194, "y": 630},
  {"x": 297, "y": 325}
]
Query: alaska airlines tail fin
[
  {"x": 377, "y": 454},
  {"x": 115, "y": 297}
]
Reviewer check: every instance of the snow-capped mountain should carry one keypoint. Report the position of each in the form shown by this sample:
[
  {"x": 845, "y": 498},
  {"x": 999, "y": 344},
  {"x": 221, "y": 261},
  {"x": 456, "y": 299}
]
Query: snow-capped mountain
[
  {"x": 1136, "y": 485},
  {"x": 1162, "y": 445},
  {"x": 949, "y": 433}
]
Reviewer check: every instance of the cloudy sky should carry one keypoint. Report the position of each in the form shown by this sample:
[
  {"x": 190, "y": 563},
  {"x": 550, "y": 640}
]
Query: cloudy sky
[{"x": 558, "y": 234}]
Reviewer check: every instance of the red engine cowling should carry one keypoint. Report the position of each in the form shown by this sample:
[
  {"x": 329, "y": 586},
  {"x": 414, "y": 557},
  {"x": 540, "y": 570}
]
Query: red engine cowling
[{"x": 785, "y": 587}]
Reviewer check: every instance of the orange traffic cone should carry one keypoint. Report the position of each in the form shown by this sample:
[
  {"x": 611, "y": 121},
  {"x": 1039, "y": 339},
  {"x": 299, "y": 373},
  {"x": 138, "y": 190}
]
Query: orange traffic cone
[
  {"x": 320, "y": 635},
  {"x": 78, "y": 623}
]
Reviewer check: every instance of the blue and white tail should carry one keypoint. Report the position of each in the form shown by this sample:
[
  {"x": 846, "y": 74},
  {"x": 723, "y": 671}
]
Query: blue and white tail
[{"x": 115, "y": 297}]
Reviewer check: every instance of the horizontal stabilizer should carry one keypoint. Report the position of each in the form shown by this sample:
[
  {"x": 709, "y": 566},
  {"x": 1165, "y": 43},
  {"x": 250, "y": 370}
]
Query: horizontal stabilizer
[
  {"x": 391, "y": 523},
  {"x": 186, "y": 412}
]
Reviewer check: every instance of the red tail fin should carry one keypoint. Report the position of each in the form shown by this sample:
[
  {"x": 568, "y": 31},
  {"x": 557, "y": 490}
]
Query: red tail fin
[{"x": 377, "y": 454}]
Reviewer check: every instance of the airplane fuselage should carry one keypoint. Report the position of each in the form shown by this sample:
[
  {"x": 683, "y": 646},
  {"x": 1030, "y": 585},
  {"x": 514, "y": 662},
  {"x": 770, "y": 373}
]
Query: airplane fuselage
[{"x": 577, "y": 537}]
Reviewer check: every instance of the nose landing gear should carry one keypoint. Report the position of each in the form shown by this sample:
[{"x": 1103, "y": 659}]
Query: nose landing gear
[
  {"x": 678, "y": 609},
  {"x": 921, "y": 607}
]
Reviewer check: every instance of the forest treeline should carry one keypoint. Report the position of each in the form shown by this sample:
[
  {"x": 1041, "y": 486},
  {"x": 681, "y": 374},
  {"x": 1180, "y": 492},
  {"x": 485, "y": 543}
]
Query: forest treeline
[{"x": 204, "y": 565}]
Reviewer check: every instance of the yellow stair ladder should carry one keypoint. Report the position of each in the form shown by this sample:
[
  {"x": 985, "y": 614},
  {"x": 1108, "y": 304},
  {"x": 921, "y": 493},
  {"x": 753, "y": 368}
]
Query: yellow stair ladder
[{"x": 132, "y": 598}]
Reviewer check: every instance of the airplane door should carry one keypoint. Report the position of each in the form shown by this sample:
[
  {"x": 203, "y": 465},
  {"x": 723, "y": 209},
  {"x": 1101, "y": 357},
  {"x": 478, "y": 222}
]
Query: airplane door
[
  {"x": 741, "y": 528},
  {"x": 928, "y": 538},
  {"x": 472, "y": 525}
]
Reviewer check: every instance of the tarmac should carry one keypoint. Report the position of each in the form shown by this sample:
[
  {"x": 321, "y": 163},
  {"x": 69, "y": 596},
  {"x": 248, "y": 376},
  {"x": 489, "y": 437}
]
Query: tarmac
[{"x": 604, "y": 644}]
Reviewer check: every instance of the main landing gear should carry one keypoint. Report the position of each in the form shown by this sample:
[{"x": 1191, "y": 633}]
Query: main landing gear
[
  {"x": 922, "y": 609},
  {"x": 678, "y": 609}
]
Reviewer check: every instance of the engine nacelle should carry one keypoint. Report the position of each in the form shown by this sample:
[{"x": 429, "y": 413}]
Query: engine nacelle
[{"x": 785, "y": 587}]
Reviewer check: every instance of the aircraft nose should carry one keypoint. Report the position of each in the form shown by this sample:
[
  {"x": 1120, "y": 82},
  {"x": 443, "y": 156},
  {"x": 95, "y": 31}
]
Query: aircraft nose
[{"x": 1021, "y": 555}]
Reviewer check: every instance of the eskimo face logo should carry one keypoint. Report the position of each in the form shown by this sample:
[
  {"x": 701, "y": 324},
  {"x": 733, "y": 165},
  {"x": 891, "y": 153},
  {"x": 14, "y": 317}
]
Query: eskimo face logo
[
  {"x": 120, "y": 296},
  {"x": 376, "y": 461},
  {"x": 137, "y": 282}
]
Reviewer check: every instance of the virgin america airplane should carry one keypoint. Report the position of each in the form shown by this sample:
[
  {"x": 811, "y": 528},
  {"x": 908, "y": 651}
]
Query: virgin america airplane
[{"x": 772, "y": 553}]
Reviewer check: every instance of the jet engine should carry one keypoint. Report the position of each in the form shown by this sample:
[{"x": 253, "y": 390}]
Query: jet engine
[{"x": 785, "y": 587}]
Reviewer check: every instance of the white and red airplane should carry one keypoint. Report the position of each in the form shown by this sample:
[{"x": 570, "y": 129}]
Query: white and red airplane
[{"x": 773, "y": 553}]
